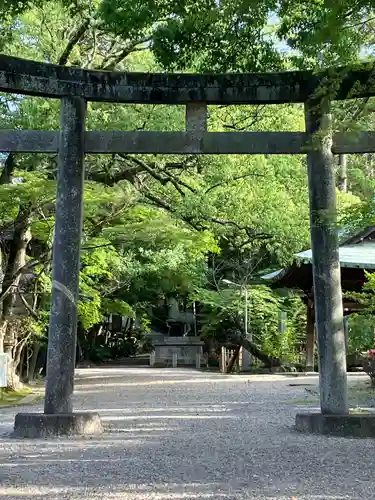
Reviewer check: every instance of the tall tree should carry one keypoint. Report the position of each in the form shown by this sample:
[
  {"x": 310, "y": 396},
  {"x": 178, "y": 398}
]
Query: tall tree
[{"x": 176, "y": 209}]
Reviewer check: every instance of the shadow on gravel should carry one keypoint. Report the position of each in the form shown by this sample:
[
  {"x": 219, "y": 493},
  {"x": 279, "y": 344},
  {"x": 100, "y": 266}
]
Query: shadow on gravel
[
  {"x": 187, "y": 441},
  {"x": 185, "y": 492},
  {"x": 190, "y": 452}
]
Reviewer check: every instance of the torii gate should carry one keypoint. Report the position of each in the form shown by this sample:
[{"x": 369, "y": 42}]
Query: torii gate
[{"x": 75, "y": 87}]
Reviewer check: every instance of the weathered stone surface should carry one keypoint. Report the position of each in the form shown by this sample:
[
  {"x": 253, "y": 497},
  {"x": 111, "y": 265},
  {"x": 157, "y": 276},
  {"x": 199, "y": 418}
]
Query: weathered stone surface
[
  {"x": 349, "y": 425},
  {"x": 196, "y": 115},
  {"x": 65, "y": 262},
  {"x": 144, "y": 142},
  {"x": 353, "y": 142},
  {"x": 36, "y": 78},
  {"x": 325, "y": 261},
  {"x": 41, "y": 425},
  {"x": 29, "y": 141}
]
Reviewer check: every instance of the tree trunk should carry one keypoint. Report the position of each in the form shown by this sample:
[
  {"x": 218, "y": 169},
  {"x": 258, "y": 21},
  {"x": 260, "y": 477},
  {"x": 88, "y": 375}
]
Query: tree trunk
[
  {"x": 3, "y": 325},
  {"x": 13, "y": 380},
  {"x": 14, "y": 351},
  {"x": 15, "y": 261},
  {"x": 237, "y": 337},
  {"x": 233, "y": 359},
  {"x": 33, "y": 360},
  {"x": 3, "y": 329},
  {"x": 22, "y": 372},
  {"x": 89, "y": 339},
  {"x": 342, "y": 183},
  {"x": 269, "y": 361},
  {"x": 310, "y": 336}
]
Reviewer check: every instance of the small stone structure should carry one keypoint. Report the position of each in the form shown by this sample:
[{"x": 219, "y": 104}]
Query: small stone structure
[
  {"x": 43, "y": 425},
  {"x": 360, "y": 425},
  {"x": 177, "y": 351}
]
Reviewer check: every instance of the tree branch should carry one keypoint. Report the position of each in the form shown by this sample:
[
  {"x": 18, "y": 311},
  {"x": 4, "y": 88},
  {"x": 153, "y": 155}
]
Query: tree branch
[
  {"x": 172, "y": 179},
  {"x": 27, "y": 305},
  {"x": 233, "y": 180},
  {"x": 124, "y": 52},
  {"x": 8, "y": 169},
  {"x": 74, "y": 39},
  {"x": 110, "y": 179},
  {"x": 162, "y": 178},
  {"x": 163, "y": 204},
  {"x": 22, "y": 270},
  {"x": 94, "y": 247}
]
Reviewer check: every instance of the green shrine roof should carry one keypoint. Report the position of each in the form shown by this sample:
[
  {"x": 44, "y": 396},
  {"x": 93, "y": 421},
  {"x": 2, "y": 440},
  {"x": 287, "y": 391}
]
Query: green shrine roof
[
  {"x": 361, "y": 256},
  {"x": 357, "y": 252}
]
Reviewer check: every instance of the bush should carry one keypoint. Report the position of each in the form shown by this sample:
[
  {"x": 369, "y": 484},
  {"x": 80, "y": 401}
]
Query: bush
[
  {"x": 100, "y": 354},
  {"x": 213, "y": 361},
  {"x": 369, "y": 366}
]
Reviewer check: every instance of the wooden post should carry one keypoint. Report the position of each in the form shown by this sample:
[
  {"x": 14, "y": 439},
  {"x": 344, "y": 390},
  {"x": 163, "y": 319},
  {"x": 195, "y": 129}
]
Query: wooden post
[
  {"x": 343, "y": 174},
  {"x": 174, "y": 359},
  {"x": 346, "y": 332},
  {"x": 152, "y": 358},
  {"x": 310, "y": 336},
  {"x": 233, "y": 355},
  {"x": 198, "y": 360},
  {"x": 325, "y": 260},
  {"x": 223, "y": 359}
]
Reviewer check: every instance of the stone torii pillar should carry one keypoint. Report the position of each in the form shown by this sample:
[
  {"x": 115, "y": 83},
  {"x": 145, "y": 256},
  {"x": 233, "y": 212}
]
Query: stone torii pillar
[
  {"x": 329, "y": 311},
  {"x": 58, "y": 417},
  {"x": 326, "y": 273}
]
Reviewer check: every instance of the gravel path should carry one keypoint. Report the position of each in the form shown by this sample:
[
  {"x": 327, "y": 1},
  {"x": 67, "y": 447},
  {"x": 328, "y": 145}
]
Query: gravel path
[{"x": 179, "y": 434}]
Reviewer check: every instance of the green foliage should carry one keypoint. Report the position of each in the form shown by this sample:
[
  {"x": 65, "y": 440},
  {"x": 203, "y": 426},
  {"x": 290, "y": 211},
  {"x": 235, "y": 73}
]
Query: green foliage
[
  {"x": 361, "y": 333},
  {"x": 223, "y": 306},
  {"x": 201, "y": 34},
  {"x": 359, "y": 215},
  {"x": 233, "y": 35},
  {"x": 154, "y": 225},
  {"x": 34, "y": 327},
  {"x": 327, "y": 32},
  {"x": 101, "y": 268},
  {"x": 34, "y": 190},
  {"x": 118, "y": 344},
  {"x": 362, "y": 325}
]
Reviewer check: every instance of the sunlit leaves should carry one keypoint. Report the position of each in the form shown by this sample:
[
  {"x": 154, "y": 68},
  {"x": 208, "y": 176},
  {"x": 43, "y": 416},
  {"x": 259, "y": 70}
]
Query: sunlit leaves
[{"x": 327, "y": 32}]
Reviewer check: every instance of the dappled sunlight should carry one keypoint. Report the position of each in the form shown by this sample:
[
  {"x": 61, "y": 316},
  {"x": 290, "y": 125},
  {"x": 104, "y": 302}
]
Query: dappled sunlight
[
  {"x": 179, "y": 409},
  {"x": 218, "y": 412},
  {"x": 180, "y": 491},
  {"x": 165, "y": 417},
  {"x": 39, "y": 463},
  {"x": 60, "y": 446},
  {"x": 144, "y": 432},
  {"x": 179, "y": 439},
  {"x": 108, "y": 372},
  {"x": 80, "y": 387},
  {"x": 99, "y": 377},
  {"x": 128, "y": 494},
  {"x": 234, "y": 380}
]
